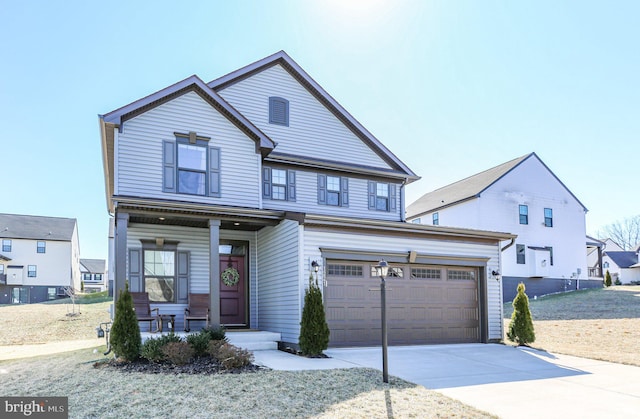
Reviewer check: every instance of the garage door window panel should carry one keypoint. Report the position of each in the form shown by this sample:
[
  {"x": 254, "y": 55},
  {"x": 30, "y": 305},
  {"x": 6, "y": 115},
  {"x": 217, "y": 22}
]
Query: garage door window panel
[{"x": 426, "y": 273}]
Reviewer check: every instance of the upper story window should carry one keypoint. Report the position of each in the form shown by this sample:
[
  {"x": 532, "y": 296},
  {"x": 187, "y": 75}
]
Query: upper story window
[
  {"x": 524, "y": 214},
  {"x": 6, "y": 245},
  {"x": 278, "y": 184},
  {"x": 436, "y": 219},
  {"x": 190, "y": 166},
  {"x": 333, "y": 190},
  {"x": 416, "y": 221},
  {"x": 604, "y": 265},
  {"x": 520, "y": 254},
  {"x": 41, "y": 247},
  {"x": 97, "y": 277},
  {"x": 278, "y": 111},
  {"x": 548, "y": 217},
  {"x": 32, "y": 271},
  {"x": 382, "y": 196},
  {"x": 86, "y": 277}
]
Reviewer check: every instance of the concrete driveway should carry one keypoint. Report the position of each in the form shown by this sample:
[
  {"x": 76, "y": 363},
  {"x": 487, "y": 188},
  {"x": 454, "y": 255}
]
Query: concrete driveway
[{"x": 506, "y": 381}]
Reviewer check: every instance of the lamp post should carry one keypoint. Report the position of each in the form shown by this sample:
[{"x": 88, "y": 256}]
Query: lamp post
[{"x": 382, "y": 269}]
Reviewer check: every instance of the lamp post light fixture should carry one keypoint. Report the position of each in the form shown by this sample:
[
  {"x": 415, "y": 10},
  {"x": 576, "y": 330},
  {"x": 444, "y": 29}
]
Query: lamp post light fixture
[{"x": 382, "y": 269}]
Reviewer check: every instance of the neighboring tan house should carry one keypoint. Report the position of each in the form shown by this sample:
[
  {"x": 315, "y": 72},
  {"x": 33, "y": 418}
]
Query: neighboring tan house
[
  {"x": 525, "y": 198},
  {"x": 39, "y": 257},
  {"x": 622, "y": 265},
  {"x": 236, "y": 187},
  {"x": 93, "y": 273}
]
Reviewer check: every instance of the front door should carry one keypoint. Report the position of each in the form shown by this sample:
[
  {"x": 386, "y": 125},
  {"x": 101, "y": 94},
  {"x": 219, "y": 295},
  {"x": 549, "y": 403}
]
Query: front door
[{"x": 232, "y": 291}]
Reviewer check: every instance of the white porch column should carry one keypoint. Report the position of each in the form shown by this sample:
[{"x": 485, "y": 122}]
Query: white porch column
[
  {"x": 120, "y": 277},
  {"x": 214, "y": 271}
]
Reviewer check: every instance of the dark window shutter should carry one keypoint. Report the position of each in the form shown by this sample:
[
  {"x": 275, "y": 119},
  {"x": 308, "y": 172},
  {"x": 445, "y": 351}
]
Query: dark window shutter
[
  {"x": 291, "y": 185},
  {"x": 392, "y": 197},
  {"x": 266, "y": 182},
  {"x": 183, "y": 278},
  {"x": 344, "y": 191},
  {"x": 214, "y": 172},
  {"x": 278, "y": 111},
  {"x": 372, "y": 195},
  {"x": 169, "y": 166},
  {"x": 322, "y": 189},
  {"x": 135, "y": 270}
]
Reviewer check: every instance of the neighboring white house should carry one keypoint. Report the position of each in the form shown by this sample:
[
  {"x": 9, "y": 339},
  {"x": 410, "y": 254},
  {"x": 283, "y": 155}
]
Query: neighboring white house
[
  {"x": 622, "y": 265},
  {"x": 93, "y": 274},
  {"x": 237, "y": 187},
  {"x": 525, "y": 198},
  {"x": 39, "y": 257}
]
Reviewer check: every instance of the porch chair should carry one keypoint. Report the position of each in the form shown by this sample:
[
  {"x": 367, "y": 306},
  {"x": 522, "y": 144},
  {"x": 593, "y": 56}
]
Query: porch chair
[
  {"x": 198, "y": 309},
  {"x": 144, "y": 311}
]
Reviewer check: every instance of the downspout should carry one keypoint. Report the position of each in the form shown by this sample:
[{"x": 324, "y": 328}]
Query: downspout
[
  {"x": 403, "y": 213},
  {"x": 509, "y": 245}
]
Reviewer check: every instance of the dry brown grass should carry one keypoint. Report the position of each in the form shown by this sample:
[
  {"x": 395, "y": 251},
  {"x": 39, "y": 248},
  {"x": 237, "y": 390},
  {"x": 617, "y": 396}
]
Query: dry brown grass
[
  {"x": 46, "y": 322},
  {"x": 599, "y": 324}
]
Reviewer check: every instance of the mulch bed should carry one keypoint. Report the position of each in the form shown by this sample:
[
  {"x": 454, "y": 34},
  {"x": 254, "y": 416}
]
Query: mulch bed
[{"x": 202, "y": 365}]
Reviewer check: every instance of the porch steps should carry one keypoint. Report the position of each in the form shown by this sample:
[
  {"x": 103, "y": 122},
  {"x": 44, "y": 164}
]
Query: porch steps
[{"x": 254, "y": 340}]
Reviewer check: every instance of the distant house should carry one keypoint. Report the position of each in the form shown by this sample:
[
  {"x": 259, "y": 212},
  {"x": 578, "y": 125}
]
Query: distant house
[
  {"x": 39, "y": 257},
  {"x": 242, "y": 187},
  {"x": 524, "y": 197},
  {"x": 623, "y": 265},
  {"x": 93, "y": 274}
]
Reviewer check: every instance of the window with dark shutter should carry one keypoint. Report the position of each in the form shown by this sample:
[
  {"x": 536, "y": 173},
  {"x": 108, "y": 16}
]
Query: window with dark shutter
[
  {"x": 278, "y": 111},
  {"x": 278, "y": 184}
]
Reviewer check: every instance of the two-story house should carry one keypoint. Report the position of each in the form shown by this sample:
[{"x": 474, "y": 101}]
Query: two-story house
[
  {"x": 240, "y": 187},
  {"x": 93, "y": 273},
  {"x": 39, "y": 257},
  {"x": 523, "y": 197}
]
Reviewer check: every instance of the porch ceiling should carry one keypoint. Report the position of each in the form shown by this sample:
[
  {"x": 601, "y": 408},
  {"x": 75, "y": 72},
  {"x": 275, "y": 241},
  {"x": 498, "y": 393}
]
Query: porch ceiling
[{"x": 235, "y": 224}]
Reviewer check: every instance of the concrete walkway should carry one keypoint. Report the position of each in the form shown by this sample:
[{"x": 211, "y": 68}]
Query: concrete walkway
[{"x": 506, "y": 381}]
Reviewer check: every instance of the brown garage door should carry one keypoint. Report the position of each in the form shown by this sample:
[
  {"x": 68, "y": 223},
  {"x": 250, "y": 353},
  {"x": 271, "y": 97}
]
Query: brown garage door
[{"x": 425, "y": 304}]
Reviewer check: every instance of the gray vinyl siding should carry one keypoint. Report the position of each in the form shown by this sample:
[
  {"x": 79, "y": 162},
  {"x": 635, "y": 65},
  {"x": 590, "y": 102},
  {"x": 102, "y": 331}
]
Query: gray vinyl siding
[
  {"x": 313, "y": 130},
  {"x": 307, "y": 200},
  {"x": 140, "y": 162},
  {"x": 279, "y": 291},
  {"x": 315, "y": 239}
]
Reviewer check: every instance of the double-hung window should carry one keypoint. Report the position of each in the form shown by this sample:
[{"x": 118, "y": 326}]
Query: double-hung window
[
  {"x": 382, "y": 196},
  {"x": 86, "y": 277},
  {"x": 190, "y": 166},
  {"x": 32, "y": 271},
  {"x": 333, "y": 190},
  {"x": 160, "y": 275},
  {"x": 436, "y": 219},
  {"x": 524, "y": 214},
  {"x": 6, "y": 245},
  {"x": 548, "y": 217},
  {"x": 42, "y": 247},
  {"x": 520, "y": 254},
  {"x": 278, "y": 184}
]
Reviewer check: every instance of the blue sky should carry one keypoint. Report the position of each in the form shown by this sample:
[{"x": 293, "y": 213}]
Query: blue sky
[{"x": 451, "y": 87}]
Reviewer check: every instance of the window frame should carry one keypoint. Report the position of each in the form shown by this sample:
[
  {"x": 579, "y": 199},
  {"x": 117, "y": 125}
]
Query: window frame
[
  {"x": 41, "y": 249},
  {"x": 32, "y": 271},
  {"x": 202, "y": 145},
  {"x": 341, "y": 193},
  {"x": 548, "y": 220},
  {"x": 521, "y": 254},
  {"x": 171, "y": 168},
  {"x": 174, "y": 277},
  {"x": 7, "y": 245},
  {"x": 267, "y": 184},
  {"x": 274, "y": 116},
  {"x": 373, "y": 197},
  {"x": 523, "y": 215},
  {"x": 435, "y": 219}
]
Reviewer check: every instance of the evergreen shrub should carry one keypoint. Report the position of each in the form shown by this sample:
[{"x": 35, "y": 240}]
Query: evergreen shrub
[
  {"x": 314, "y": 331},
  {"x": 521, "y": 326},
  {"x": 125, "y": 332}
]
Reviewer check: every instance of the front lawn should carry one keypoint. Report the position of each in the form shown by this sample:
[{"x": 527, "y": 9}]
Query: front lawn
[{"x": 599, "y": 323}]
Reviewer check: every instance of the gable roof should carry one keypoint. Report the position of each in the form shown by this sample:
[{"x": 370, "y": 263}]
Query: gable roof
[
  {"x": 13, "y": 226},
  {"x": 323, "y": 97},
  {"x": 471, "y": 187},
  {"x": 94, "y": 265},
  {"x": 623, "y": 259}
]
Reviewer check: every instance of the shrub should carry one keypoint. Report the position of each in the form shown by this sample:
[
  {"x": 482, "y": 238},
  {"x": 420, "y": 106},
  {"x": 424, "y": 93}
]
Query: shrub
[
  {"x": 231, "y": 356},
  {"x": 215, "y": 332},
  {"x": 314, "y": 331},
  {"x": 618, "y": 282},
  {"x": 152, "y": 349},
  {"x": 214, "y": 345},
  {"x": 178, "y": 353},
  {"x": 199, "y": 342},
  {"x": 125, "y": 333},
  {"x": 607, "y": 279},
  {"x": 521, "y": 326}
]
